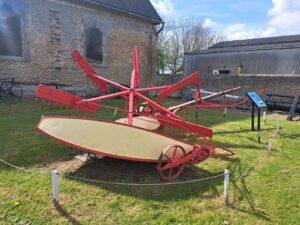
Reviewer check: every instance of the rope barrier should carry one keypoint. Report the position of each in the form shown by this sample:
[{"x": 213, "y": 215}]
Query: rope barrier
[
  {"x": 145, "y": 184},
  {"x": 16, "y": 167},
  {"x": 116, "y": 183}
]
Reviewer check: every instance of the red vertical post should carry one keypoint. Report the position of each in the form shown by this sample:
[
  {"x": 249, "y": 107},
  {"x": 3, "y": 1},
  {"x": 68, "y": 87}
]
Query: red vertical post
[
  {"x": 131, "y": 98},
  {"x": 130, "y": 107},
  {"x": 133, "y": 84},
  {"x": 136, "y": 68}
]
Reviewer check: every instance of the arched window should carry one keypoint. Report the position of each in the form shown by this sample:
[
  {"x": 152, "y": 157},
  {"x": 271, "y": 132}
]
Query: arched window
[
  {"x": 10, "y": 30},
  {"x": 93, "y": 45}
]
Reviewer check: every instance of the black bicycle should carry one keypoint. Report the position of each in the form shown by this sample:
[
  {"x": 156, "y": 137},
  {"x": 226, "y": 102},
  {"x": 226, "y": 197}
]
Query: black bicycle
[{"x": 10, "y": 91}]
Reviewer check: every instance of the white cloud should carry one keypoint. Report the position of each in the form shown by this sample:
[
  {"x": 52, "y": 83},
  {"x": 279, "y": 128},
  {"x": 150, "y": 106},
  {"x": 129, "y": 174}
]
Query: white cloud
[
  {"x": 284, "y": 19},
  {"x": 208, "y": 23},
  {"x": 269, "y": 32},
  {"x": 285, "y": 16},
  {"x": 239, "y": 31},
  {"x": 164, "y": 7}
]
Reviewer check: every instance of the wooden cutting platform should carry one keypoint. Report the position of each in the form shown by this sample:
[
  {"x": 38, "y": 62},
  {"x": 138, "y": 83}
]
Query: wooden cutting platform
[
  {"x": 142, "y": 122},
  {"x": 108, "y": 138}
]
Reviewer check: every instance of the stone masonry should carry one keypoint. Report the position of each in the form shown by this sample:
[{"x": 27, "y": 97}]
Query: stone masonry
[{"x": 52, "y": 29}]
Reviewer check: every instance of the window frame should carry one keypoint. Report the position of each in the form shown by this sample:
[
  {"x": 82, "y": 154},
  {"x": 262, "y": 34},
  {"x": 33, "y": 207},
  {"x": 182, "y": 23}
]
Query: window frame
[
  {"x": 103, "y": 25},
  {"x": 93, "y": 60},
  {"x": 24, "y": 57}
]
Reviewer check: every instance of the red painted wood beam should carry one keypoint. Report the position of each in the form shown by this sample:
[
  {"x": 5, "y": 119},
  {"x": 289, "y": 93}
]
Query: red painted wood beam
[
  {"x": 91, "y": 74},
  {"x": 190, "y": 79}
]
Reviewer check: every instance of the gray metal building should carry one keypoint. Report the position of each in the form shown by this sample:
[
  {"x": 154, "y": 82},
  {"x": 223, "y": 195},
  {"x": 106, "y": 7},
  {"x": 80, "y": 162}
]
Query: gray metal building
[{"x": 274, "y": 55}]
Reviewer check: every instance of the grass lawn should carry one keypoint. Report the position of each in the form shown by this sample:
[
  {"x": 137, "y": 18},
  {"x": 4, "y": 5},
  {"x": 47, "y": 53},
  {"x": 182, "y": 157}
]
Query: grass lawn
[{"x": 264, "y": 185}]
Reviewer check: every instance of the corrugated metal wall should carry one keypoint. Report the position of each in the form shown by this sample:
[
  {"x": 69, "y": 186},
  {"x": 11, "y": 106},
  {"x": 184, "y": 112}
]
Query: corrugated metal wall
[{"x": 275, "y": 61}]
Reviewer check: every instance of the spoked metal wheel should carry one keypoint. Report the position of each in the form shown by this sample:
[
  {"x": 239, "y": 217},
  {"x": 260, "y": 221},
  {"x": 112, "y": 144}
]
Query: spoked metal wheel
[
  {"x": 169, "y": 164},
  {"x": 10, "y": 93}
]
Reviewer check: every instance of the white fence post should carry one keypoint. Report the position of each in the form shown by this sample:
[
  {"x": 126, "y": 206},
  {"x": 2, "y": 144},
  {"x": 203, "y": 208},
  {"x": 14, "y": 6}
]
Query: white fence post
[
  {"x": 226, "y": 186},
  {"x": 225, "y": 111},
  {"x": 55, "y": 186},
  {"x": 270, "y": 144},
  {"x": 265, "y": 117},
  {"x": 115, "y": 113},
  {"x": 277, "y": 127}
]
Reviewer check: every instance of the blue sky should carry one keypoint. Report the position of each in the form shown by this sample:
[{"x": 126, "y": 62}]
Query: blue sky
[{"x": 237, "y": 19}]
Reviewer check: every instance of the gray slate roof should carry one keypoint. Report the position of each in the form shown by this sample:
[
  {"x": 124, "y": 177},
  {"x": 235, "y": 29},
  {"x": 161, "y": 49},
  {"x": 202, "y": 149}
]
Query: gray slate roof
[
  {"x": 258, "y": 41},
  {"x": 280, "y": 42},
  {"x": 138, "y": 8}
]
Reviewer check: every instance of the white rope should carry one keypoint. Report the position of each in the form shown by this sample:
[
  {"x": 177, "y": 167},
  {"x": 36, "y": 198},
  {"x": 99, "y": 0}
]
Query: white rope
[
  {"x": 16, "y": 167},
  {"x": 144, "y": 184},
  {"x": 117, "y": 183}
]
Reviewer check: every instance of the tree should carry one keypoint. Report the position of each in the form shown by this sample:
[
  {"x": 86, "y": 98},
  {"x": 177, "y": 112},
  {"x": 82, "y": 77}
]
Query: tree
[
  {"x": 162, "y": 52},
  {"x": 182, "y": 36}
]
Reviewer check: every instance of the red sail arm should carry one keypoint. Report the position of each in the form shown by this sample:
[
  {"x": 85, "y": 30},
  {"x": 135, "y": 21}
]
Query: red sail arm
[
  {"x": 89, "y": 71},
  {"x": 58, "y": 97}
]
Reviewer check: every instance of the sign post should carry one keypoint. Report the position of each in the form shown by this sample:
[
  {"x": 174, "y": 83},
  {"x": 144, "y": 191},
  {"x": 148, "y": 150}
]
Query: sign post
[
  {"x": 258, "y": 103},
  {"x": 258, "y": 119},
  {"x": 252, "y": 115}
]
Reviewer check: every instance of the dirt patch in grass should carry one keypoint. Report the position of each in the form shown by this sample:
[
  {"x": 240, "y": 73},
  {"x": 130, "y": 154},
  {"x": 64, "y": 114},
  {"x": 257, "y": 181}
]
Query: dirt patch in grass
[{"x": 65, "y": 166}]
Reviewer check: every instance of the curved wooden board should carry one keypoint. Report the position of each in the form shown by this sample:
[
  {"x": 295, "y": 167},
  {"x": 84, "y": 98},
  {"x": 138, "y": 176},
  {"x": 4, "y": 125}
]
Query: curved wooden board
[
  {"x": 108, "y": 138},
  {"x": 142, "y": 122}
]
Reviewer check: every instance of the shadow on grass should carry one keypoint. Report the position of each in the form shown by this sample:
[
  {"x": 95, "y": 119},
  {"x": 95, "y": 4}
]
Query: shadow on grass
[
  {"x": 114, "y": 170},
  {"x": 241, "y": 131},
  {"x": 241, "y": 191},
  {"x": 247, "y": 147},
  {"x": 290, "y": 136},
  {"x": 65, "y": 214}
]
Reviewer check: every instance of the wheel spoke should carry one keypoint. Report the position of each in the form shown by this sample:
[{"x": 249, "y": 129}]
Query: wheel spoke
[
  {"x": 168, "y": 158},
  {"x": 170, "y": 172},
  {"x": 164, "y": 167},
  {"x": 174, "y": 153}
]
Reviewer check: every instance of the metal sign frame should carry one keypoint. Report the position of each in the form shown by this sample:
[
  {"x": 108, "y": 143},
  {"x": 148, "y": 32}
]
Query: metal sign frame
[{"x": 254, "y": 97}]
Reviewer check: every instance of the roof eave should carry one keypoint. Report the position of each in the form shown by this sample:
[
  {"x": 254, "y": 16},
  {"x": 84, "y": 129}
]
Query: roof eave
[
  {"x": 205, "y": 52},
  {"x": 128, "y": 13}
]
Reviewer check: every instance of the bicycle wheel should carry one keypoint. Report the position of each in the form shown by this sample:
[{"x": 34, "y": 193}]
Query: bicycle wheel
[{"x": 11, "y": 93}]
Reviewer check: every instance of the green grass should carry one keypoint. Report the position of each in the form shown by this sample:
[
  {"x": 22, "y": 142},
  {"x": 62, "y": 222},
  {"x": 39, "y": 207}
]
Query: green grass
[{"x": 264, "y": 186}]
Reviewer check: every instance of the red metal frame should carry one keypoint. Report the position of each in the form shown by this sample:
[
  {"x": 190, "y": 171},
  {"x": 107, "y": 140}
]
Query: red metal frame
[
  {"x": 190, "y": 79},
  {"x": 202, "y": 100},
  {"x": 203, "y": 148}
]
